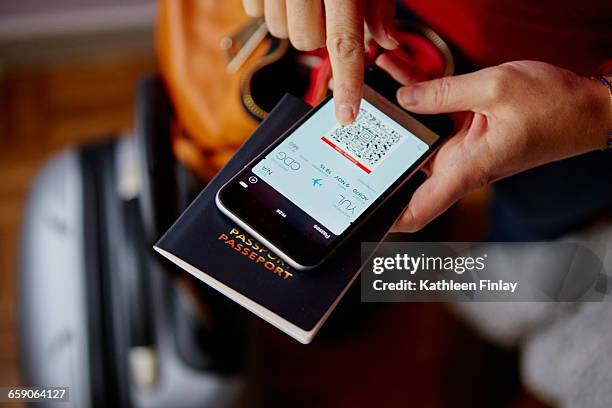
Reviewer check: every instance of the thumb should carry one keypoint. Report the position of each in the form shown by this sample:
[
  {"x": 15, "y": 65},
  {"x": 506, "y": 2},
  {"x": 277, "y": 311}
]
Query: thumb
[
  {"x": 448, "y": 94},
  {"x": 379, "y": 18},
  {"x": 440, "y": 191}
]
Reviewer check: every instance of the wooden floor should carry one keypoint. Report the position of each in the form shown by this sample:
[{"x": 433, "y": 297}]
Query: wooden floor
[{"x": 43, "y": 110}]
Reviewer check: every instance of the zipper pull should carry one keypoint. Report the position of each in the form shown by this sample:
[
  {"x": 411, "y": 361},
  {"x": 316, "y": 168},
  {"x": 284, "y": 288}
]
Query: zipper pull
[{"x": 258, "y": 32}]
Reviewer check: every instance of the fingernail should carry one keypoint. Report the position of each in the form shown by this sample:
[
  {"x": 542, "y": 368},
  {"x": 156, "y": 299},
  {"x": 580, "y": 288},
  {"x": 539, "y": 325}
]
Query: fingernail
[
  {"x": 392, "y": 41},
  {"x": 346, "y": 114},
  {"x": 409, "y": 95}
]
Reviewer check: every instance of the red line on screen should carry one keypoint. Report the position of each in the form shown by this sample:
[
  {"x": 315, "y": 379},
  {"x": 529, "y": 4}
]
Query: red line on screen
[{"x": 345, "y": 154}]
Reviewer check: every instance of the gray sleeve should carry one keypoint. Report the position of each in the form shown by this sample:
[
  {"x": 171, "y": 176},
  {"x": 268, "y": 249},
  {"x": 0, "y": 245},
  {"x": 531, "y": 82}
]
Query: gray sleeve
[
  {"x": 566, "y": 349},
  {"x": 570, "y": 361}
]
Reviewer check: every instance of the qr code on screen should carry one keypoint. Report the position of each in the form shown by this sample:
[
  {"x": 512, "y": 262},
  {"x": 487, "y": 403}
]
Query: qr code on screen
[{"x": 367, "y": 139}]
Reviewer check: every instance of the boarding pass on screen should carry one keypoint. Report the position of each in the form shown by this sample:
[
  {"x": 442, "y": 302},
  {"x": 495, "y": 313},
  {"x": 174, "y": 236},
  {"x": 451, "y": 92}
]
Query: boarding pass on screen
[{"x": 367, "y": 139}]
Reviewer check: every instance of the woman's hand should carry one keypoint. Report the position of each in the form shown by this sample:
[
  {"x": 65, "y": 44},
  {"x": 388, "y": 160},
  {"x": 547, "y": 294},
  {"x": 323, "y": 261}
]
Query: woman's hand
[
  {"x": 339, "y": 24},
  {"x": 509, "y": 118}
]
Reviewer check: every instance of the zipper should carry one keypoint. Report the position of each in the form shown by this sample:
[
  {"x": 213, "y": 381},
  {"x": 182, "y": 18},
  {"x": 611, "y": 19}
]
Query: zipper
[{"x": 279, "y": 49}]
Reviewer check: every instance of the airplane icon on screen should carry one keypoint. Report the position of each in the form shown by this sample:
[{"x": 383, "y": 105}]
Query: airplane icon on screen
[{"x": 316, "y": 182}]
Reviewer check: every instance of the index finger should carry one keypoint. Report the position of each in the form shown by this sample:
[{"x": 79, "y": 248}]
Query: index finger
[{"x": 344, "y": 29}]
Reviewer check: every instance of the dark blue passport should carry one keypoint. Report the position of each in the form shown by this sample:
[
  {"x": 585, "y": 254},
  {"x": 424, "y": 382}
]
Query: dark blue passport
[{"x": 211, "y": 247}]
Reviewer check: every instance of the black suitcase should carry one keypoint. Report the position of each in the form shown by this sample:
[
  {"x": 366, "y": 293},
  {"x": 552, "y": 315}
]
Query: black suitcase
[{"x": 100, "y": 312}]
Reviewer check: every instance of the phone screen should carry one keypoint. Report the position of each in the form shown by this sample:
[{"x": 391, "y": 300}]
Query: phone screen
[{"x": 323, "y": 176}]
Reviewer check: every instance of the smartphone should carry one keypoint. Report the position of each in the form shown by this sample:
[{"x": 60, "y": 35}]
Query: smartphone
[{"x": 320, "y": 181}]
